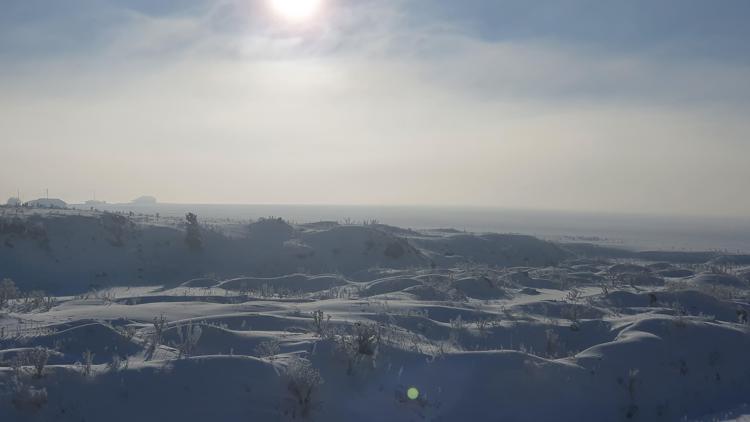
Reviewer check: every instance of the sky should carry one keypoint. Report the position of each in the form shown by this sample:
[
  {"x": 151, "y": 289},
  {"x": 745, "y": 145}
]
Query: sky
[{"x": 598, "y": 105}]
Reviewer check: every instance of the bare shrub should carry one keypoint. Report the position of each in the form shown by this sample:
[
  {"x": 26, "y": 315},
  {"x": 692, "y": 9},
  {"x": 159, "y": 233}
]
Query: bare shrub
[
  {"x": 188, "y": 336},
  {"x": 37, "y": 357},
  {"x": 8, "y": 291},
  {"x": 302, "y": 382},
  {"x": 117, "y": 363},
  {"x": 268, "y": 349},
  {"x": 37, "y": 300},
  {"x": 28, "y": 398},
  {"x": 484, "y": 325},
  {"x": 631, "y": 385},
  {"x": 88, "y": 360},
  {"x": 157, "y": 335},
  {"x": 553, "y": 343},
  {"x": 367, "y": 338},
  {"x": 129, "y": 332},
  {"x": 362, "y": 344},
  {"x": 193, "y": 233},
  {"x": 572, "y": 313},
  {"x": 458, "y": 329},
  {"x": 321, "y": 323}
]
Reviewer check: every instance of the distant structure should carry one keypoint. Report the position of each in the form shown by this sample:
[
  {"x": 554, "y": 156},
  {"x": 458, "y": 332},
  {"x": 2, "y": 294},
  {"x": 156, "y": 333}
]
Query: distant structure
[
  {"x": 47, "y": 203},
  {"x": 144, "y": 200},
  {"x": 13, "y": 202},
  {"x": 94, "y": 202}
]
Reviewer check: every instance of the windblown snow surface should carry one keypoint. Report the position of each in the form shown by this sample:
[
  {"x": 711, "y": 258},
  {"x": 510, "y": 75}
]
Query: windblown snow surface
[{"x": 331, "y": 322}]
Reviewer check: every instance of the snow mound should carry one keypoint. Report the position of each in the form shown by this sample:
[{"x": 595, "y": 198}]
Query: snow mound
[
  {"x": 388, "y": 285},
  {"x": 726, "y": 280},
  {"x": 102, "y": 340},
  {"x": 479, "y": 288},
  {"x": 293, "y": 283}
]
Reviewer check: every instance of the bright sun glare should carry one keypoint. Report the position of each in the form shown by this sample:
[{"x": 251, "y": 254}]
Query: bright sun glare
[{"x": 296, "y": 10}]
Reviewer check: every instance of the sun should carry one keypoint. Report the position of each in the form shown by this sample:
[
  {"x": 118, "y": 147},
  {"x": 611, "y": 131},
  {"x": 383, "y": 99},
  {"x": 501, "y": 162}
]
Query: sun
[{"x": 296, "y": 10}]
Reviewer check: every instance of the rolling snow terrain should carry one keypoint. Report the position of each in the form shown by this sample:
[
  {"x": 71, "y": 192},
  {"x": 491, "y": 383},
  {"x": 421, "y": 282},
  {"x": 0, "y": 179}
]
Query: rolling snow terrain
[{"x": 118, "y": 317}]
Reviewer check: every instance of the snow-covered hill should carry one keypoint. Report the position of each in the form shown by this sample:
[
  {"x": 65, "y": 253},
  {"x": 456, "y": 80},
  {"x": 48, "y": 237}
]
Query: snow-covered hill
[{"x": 271, "y": 321}]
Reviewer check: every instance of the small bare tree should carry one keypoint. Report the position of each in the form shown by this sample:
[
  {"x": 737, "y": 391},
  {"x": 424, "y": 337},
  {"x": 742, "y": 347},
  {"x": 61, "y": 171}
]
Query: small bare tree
[{"x": 193, "y": 235}]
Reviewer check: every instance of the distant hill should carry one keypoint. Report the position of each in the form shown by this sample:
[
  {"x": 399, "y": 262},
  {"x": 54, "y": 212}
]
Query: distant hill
[
  {"x": 73, "y": 250},
  {"x": 144, "y": 200},
  {"x": 47, "y": 203}
]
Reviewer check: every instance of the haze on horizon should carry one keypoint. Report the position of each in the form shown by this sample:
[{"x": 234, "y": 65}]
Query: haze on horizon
[{"x": 609, "y": 106}]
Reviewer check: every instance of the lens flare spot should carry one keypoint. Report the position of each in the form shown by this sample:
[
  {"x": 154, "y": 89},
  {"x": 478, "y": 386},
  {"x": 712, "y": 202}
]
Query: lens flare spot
[{"x": 412, "y": 393}]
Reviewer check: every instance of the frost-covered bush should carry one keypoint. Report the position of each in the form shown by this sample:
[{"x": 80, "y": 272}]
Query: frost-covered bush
[{"x": 302, "y": 382}]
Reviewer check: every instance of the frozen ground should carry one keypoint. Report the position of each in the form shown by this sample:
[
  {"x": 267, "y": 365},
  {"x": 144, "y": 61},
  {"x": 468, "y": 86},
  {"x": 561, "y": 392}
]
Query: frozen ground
[{"x": 154, "y": 319}]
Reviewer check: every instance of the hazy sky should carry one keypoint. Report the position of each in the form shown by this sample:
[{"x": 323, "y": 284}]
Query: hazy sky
[{"x": 638, "y": 105}]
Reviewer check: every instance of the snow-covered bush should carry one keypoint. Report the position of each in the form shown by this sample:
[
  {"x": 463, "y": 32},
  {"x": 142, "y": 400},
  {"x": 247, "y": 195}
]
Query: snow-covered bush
[{"x": 302, "y": 382}]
